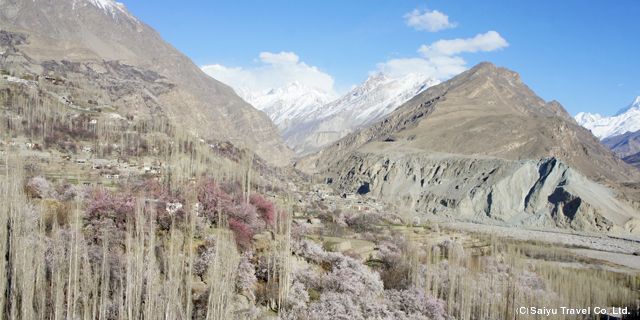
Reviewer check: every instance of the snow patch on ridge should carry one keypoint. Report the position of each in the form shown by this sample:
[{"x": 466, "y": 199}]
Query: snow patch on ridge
[{"x": 110, "y": 7}]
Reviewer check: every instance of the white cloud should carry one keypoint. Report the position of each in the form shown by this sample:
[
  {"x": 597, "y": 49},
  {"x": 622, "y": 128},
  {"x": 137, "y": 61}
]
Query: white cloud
[
  {"x": 430, "y": 20},
  {"x": 282, "y": 58},
  {"x": 230, "y": 76},
  {"x": 278, "y": 70},
  {"x": 489, "y": 41},
  {"x": 439, "y": 67},
  {"x": 439, "y": 58}
]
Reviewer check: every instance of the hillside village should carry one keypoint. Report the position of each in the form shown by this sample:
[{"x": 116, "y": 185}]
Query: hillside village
[{"x": 85, "y": 166}]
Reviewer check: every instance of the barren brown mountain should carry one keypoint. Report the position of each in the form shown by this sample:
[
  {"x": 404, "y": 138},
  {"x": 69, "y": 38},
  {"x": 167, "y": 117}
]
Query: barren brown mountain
[
  {"x": 99, "y": 40},
  {"x": 483, "y": 145}
]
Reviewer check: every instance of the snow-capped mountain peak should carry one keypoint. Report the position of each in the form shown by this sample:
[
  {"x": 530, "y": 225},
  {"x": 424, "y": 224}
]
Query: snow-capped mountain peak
[
  {"x": 292, "y": 101},
  {"x": 626, "y": 120},
  {"x": 587, "y": 117},
  {"x": 109, "y": 7},
  {"x": 309, "y": 119},
  {"x": 633, "y": 105}
]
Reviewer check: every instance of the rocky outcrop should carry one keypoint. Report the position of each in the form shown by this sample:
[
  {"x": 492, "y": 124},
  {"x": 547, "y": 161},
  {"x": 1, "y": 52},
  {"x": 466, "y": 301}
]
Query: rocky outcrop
[{"x": 544, "y": 192}]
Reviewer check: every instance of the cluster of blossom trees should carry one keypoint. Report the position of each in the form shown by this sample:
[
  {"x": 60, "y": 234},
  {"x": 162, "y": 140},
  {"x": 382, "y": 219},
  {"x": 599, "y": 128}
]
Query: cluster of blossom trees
[
  {"x": 349, "y": 289},
  {"x": 60, "y": 190},
  {"x": 245, "y": 217}
]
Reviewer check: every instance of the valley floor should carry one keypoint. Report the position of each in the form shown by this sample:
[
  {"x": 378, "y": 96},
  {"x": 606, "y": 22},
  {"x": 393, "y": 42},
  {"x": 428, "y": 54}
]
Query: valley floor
[{"x": 618, "y": 254}]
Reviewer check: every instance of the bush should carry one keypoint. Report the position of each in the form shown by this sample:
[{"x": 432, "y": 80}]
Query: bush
[
  {"x": 63, "y": 191},
  {"x": 363, "y": 223}
]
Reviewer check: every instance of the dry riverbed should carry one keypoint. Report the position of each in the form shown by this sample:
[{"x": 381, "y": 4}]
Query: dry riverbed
[{"x": 614, "y": 250}]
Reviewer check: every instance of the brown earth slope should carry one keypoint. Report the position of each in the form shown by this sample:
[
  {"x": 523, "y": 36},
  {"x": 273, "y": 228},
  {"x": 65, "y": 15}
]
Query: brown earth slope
[{"x": 92, "y": 31}]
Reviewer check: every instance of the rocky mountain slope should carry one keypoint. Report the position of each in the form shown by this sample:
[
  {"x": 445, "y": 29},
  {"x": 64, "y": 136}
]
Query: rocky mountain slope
[
  {"x": 308, "y": 121},
  {"x": 84, "y": 40},
  {"x": 633, "y": 159},
  {"x": 483, "y": 145},
  {"x": 626, "y": 120},
  {"x": 625, "y": 144}
]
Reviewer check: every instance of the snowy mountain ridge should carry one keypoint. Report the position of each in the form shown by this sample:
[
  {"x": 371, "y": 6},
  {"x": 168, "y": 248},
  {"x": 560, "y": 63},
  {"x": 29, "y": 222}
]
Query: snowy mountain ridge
[
  {"x": 293, "y": 101},
  {"x": 625, "y": 120},
  {"x": 380, "y": 95},
  {"x": 309, "y": 119}
]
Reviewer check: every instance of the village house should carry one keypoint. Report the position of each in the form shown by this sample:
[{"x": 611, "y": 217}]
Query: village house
[{"x": 101, "y": 164}]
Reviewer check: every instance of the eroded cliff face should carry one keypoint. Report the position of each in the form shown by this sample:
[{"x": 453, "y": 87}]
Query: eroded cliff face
[{"x": 544, "y": 192}]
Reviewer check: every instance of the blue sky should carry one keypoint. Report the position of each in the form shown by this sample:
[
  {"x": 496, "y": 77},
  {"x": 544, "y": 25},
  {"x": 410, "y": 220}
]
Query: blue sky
[{"x": 584, "y": 54}]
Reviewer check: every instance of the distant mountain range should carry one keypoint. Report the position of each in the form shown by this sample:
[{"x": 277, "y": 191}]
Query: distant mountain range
[
  {"x": 309, "y": 120},
  {"x": 626, "y": 120},
  {"x": 295, "y": 101},
  {"x": 620, "y": 133}
]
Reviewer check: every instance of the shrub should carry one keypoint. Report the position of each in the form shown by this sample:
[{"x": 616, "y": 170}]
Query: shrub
[
  {"x": 247, "y": 213},
  {"x": 363, "y": 223},
  {"x": 63, "y": 191},
  {"x": 344, "y": 280},
  {"x": 300, "y": 230},
  {"x": 390, "y": 254},
  {"x": 415, "y": 302}
]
